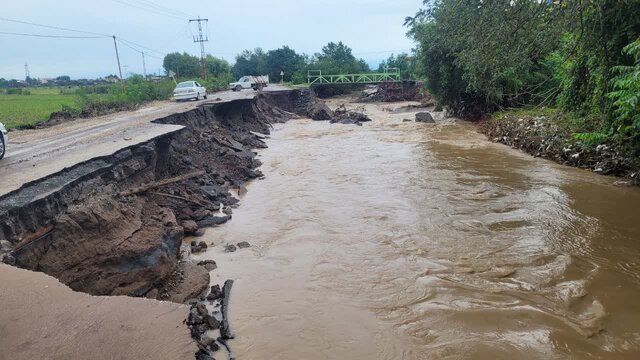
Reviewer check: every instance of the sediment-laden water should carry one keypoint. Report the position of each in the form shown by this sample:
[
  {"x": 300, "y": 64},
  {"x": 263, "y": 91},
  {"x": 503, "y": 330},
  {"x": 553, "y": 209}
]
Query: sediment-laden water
[{"x": 402, "y": 240}]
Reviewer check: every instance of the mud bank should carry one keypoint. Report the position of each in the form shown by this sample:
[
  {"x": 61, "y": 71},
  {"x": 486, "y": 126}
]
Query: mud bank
[
  {"x": 115, "y": 225},
  {"x": 540, "y": 137}
]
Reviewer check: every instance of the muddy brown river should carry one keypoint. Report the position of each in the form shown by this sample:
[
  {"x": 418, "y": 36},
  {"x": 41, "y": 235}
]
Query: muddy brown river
[{"x": 402, "y": 240}]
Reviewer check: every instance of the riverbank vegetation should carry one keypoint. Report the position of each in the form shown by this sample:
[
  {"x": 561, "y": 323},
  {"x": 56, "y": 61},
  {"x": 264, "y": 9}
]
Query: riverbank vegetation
[{"x": 581, "y": 58}]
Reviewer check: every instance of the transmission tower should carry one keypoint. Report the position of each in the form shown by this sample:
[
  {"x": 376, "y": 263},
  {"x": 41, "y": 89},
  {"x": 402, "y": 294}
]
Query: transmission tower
[
  {"x": 27, "y": 75},
  {"x": 201, "y": 39}
]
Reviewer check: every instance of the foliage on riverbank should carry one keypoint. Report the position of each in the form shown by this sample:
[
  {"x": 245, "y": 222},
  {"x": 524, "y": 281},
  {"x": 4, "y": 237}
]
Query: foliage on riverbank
[{"x": 583, "y": 57}]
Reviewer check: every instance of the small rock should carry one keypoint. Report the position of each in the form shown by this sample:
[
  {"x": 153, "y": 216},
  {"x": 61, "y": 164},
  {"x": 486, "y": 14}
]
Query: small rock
[
  {"x": 213, "y": 220},
  {"x": 227, "y": 211},
  {"x": 424, "y": 117},
  {"x": 198, "y": 233},
  {"x": 214, "y": 346},
  {"x": 406, "y": 120},
  {"x": 202, "y": 309},
  {"x": 212, "y": 322},
  {"x": 8, "y": 259},
  {"x": 319, "y": 111},
  {"x": 208, "y": 342},
  {"x": 243, "y": 245},
  {"x": 187, "y": 211},
  {"x": 195, "y": 249},
  {"x": 200, "y": 214},
  {"x": 153, "y": 294},
  {"x": 195, "y": 318},
  {"x": 203, "y": 245},
  {"x": 189, "y": 226},
  {"x": 215, "y": 293},
  {"x": 210, "y": 265},
  {"x": 230, "y": 248}
]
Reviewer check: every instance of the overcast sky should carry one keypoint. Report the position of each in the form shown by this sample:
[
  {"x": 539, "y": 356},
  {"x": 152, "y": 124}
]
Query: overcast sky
[{"x": 372, "y": 28}]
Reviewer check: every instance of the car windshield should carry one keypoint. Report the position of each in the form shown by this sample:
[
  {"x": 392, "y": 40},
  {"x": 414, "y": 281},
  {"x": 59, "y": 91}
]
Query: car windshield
[
  {"x": 185, "y": 85},
  {"x": 244, "y": 79}
]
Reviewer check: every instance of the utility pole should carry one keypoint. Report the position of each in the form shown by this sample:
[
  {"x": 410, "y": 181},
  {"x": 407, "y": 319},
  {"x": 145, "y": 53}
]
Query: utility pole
[
  {"x": 115, "y": 44},
  {"x": 27, "y": 75},
  {"x": 144, "y": 66},
  {"x": 201, "y": 39}
]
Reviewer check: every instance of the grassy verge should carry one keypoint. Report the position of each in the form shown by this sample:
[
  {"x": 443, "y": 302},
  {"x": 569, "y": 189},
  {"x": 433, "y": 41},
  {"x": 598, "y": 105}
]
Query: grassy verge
[{"x": 23, "y": 110}]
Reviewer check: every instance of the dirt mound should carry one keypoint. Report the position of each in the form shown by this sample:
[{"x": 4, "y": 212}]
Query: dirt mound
[
  {"x": 396, "y": 91},
  {"x": 344, "y": 116}
]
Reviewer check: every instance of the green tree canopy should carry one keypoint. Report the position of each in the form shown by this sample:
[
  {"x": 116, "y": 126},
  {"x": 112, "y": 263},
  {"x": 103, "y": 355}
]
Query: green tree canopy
[
  {"x": 217, "y": 67},
  {"x": 337, "y": 58},
  {"x": 480, "y": 55},
  {"x": 250, "y": 62},
  {"x": 403, "y": 61},
  {"x": 284, "y": 59},
  {"x": 184, "y": 65}
]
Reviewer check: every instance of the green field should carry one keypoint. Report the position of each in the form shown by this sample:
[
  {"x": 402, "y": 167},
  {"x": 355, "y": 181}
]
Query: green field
[{"x": 21, "y": 110}]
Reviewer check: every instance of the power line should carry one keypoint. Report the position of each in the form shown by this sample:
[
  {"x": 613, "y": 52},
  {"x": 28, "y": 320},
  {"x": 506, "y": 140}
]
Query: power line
[
  {"x": 141, "y": 46},
  {"x": 54, "y": 27},
  {"x": 150, "y": 9},
  {"x": 160, "y": 7},
  {"x": 52, "y": 36},
  {"x": 97, "y": 35}
]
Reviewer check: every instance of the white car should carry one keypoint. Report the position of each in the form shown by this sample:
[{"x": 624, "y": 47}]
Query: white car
[
  {"x": 4, "y": 138},
  {"x": 187, "y": 90}
]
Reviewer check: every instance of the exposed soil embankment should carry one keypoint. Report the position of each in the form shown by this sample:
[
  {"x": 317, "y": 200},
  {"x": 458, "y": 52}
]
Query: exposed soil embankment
[
  {"x": 540, "y": 137},
  {"x": 115, "y": 225}
]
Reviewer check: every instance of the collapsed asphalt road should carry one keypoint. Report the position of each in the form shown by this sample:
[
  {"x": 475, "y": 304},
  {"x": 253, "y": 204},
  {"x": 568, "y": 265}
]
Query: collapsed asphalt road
[{"x": 34, "y": 154}]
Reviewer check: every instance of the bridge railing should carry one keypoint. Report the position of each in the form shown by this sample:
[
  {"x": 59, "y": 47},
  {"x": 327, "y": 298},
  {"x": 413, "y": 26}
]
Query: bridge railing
[{"x": 389, "y": 74}]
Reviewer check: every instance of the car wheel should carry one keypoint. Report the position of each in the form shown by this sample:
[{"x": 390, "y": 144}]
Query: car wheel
[
  {"x": 205, "y": 96},
  {"x": 238, "y": 88},
  {"x": 2, "y": 146}
]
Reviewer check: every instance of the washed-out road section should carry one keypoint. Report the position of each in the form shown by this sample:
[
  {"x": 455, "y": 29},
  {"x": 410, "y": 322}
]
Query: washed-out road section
[{"x": 35, "y": 154}]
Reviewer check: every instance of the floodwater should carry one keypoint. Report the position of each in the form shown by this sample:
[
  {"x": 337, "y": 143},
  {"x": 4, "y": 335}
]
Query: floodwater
[{"x": 401, "y": 240}]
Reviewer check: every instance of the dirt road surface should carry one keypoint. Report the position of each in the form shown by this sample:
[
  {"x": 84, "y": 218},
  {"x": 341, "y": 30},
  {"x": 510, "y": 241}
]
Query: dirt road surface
[{"x": 34, "y": 154}]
